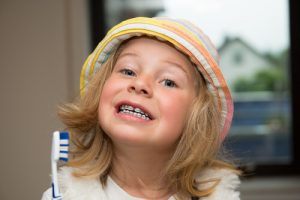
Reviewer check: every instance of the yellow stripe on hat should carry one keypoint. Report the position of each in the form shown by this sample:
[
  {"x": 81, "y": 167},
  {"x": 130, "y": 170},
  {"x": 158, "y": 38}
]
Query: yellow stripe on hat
[{"x": 83, "y": 75}]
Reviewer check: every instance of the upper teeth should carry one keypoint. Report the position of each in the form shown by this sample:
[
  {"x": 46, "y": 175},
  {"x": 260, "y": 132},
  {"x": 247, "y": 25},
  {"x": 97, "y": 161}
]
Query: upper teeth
[{"x": 134, "y": 111}]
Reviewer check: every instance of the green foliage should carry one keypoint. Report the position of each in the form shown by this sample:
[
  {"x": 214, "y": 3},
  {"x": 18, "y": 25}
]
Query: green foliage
[
  {"x": 263, "y": 80},
  {"x": 271, "y": 79},
  {"x": 242, "y": 85}
]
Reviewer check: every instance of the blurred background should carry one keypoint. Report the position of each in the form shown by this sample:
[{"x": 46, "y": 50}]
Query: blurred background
[{"x": 43, "y": 44}]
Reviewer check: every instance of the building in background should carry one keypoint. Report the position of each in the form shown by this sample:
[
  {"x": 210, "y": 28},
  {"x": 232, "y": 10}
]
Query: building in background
[
  {"x": 240, "y": 60},
  {"x": 262, "y": 114}
]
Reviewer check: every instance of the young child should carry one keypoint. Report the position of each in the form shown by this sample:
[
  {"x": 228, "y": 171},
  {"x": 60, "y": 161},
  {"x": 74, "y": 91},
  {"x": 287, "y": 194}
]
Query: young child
[{"x": 153, "y": 112}]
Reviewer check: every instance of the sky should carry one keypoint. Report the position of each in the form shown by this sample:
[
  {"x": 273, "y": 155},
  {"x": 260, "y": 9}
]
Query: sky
[{"x": 263, "y": 24}]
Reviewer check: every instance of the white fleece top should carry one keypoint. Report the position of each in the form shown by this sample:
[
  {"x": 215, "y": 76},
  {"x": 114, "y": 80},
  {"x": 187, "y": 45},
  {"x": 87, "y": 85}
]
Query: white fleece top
[{"x": 73, "y": 188}]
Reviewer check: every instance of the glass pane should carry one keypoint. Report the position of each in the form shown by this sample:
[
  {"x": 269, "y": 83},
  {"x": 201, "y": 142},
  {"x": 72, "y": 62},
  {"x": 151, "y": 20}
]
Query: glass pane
[{"x": 253, "y": 41}]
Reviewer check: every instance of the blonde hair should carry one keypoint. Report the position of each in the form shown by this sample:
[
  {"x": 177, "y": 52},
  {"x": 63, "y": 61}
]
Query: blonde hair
[{"x": 196, "y": 150}]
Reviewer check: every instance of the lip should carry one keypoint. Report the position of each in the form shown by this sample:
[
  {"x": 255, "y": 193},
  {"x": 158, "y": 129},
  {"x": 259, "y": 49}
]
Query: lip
[{"x": 135, "y": 105}]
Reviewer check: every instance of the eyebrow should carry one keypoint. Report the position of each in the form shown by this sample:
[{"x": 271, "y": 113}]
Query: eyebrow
[
  {"x": 177, "y": 66},
  {"x": 165, "y": 61},
  {"x": 128, "y": 54}
]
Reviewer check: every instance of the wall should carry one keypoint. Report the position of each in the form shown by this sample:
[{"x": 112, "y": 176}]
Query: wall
[
  {"x": 271, "y": 188},
  {"x": 43, "y": 45}
]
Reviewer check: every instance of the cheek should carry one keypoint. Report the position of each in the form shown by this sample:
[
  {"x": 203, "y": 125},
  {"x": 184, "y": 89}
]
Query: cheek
[
  {"x": 110, "y": 88},
  {"x": 106, "y": 98},
  {"x": 175, "y": 109},
  {"x": 176, "y": 105}
]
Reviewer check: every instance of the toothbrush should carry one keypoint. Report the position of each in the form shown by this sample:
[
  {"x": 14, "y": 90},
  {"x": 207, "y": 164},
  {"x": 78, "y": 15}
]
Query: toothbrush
[{"x": 60, "y": 148}]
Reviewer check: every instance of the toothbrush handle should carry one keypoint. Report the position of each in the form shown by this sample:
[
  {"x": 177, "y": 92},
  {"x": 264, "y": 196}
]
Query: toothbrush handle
[
  {"x": 54, "y": 158},
  {"x": 55, "y": 190}
]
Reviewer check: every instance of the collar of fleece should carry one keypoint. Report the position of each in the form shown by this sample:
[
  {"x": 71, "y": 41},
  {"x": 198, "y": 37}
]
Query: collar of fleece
[{"x": 80, "y": 188}]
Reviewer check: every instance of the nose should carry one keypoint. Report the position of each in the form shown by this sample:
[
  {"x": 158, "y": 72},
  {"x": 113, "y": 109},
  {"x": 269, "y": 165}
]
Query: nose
[{"x": 141, "y": 85}]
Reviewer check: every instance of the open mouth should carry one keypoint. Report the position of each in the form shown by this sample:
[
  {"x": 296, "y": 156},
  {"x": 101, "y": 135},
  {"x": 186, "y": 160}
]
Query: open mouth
[{"x": 134, "y": 111}]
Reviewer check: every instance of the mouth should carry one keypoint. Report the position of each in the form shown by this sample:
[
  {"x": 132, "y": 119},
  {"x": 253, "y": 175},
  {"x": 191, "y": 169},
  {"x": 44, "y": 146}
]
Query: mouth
[{"x": 135, "y": 111}]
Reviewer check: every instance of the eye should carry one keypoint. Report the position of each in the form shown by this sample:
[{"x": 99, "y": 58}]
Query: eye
[
  {"x": 169, "y": 83},
  {"x": 127, "y": 72}
]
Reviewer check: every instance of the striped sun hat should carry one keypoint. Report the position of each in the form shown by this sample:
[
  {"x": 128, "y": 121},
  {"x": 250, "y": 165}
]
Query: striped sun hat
[{"x": 186, "y": 37}]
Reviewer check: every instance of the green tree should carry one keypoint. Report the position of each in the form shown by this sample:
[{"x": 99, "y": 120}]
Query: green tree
[{"x": 263, "y": 80}]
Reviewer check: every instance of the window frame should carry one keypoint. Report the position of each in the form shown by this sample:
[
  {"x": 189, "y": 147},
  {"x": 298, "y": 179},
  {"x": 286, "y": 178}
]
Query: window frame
[{"x": 98, "y": 28}]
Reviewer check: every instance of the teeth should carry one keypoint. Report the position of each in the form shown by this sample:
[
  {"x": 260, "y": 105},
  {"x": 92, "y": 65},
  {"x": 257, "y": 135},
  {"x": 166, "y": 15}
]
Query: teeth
[
  {"x": 134, "y": 111},
  {"x": 138, "y": 110},
  {"x": 128, "y": 107}
]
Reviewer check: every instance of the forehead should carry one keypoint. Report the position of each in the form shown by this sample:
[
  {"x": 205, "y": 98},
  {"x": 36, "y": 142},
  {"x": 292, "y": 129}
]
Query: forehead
[
  {"x": 142, "y": 41},
  {"x": 150, "y": 46}
]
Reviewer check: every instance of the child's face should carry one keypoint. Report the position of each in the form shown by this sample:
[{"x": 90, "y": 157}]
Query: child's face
[{"x": 146, "y": 99}]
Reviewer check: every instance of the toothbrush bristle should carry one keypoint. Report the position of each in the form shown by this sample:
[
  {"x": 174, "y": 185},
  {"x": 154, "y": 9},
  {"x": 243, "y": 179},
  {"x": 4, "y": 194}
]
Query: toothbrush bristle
[
  {"x": 63, "y": 146},
  {"x": 64, "y": 135}
]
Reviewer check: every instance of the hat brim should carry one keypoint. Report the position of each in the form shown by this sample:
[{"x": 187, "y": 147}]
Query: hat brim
[{"x": 185, "y": 38}]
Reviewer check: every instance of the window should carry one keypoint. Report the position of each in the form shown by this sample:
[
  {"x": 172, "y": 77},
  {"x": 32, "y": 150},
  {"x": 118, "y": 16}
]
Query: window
[
  {"x": 258, "y": 49},
  {"x": 238, "y": 57}
]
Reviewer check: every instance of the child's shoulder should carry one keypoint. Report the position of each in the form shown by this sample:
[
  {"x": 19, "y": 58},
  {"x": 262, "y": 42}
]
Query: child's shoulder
[
  {"x": 77, "y": 188},
  {"x": 228, "y": 182}
]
